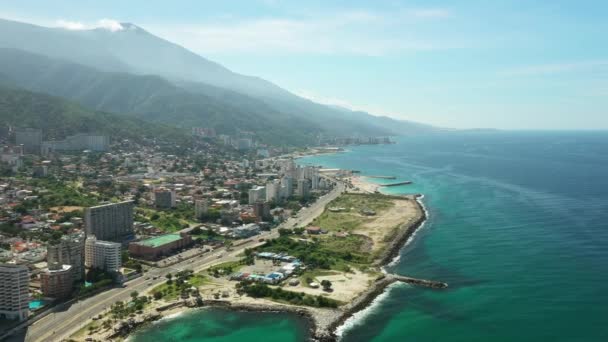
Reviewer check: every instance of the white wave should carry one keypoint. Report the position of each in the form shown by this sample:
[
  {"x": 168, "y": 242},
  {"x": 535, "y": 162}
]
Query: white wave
[
  {"x": 359, "y": 317},
  {"x": 393, "y": 262},
  {"x": 396, "y": 259}
]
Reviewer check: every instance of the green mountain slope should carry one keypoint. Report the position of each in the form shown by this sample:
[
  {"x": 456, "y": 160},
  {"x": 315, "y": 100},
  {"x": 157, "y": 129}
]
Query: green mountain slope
[
  {"x": 135, "y": 50},
  {"x": 59, "y": 118},
  {"x": 154, "y": 99}
]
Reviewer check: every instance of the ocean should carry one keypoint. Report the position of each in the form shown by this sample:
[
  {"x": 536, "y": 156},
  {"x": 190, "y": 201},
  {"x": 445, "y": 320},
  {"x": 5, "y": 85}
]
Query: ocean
[{"x": 518, "y": 227}]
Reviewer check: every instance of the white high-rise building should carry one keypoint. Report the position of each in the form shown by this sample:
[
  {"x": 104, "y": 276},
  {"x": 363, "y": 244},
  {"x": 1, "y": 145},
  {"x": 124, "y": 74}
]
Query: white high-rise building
[
  {"x": 103, "y": 255},
  {"x": 14, "y": 295},
  {"x": 273, "y": 191},
  {"x": 257, "y": 193},
  {"x": 287, "y": 183}
]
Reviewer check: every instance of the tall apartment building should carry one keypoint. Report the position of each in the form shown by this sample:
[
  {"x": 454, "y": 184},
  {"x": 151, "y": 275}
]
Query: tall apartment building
[
  {"x": 201, "y": 207},
  {"x": 111, "y": 222},
  {"x": 261, "y": 210},
  {"x": 164, "y": 198},
  {"x": 303, "y": 188},
  {"x": 30, "y": 138},
  {"x": 273, "y": 191},
  {"x": 257, "y": 193},
  {"x": 103, "y": 255},
  {"x": 14, "y": 296},
  {"x": 287, "y": 186},
  {"x": 69, "y": 251},
  {"x": 77, "y": 142},
  {"x": 57, "y": 281}
]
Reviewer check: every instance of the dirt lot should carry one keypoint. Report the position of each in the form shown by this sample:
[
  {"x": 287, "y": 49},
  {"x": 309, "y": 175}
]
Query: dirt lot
[
  {"x": 66, "y": 209},
  {"x": 346, "y": 286},
  {"x": 385, "y": 222}
]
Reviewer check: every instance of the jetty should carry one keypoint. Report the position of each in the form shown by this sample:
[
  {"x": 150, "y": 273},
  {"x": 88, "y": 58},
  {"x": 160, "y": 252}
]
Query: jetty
[
  {"x": 397, "y": 184},
  {"x": 419, "y": 282},
  {"x": 382, "y": 177}
]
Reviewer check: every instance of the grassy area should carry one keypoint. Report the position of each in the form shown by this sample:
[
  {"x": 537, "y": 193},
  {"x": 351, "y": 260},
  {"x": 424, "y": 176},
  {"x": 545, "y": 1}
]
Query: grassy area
[
  {"x": 226, "y": 268},
  {"x": 174, "y": 286},
  {"x": 324, "y": 252},
  {"x": 350, "y": 218},
  {"x": 167, "y": 221},
  {"x": 289, "y": 297},
  {"x": 55, "y": 193},
  {"x": 335, "y": 251}
]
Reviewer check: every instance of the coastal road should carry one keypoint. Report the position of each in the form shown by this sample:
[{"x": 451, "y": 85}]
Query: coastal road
[{"x": 62, "y": 324}]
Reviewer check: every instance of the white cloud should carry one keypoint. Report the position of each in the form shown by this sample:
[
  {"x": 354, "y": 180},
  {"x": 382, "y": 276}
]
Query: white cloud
[
  {"x": 71, "y": 25},
  {"x": 108, "y": 24}
]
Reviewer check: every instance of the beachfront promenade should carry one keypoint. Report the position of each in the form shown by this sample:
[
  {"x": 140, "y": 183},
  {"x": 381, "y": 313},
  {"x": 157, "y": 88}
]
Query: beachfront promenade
[{"x": 62, "y": 324}]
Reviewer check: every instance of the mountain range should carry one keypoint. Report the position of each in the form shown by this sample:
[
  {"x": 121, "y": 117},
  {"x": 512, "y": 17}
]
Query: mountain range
[{"x": 133, "y": 72}]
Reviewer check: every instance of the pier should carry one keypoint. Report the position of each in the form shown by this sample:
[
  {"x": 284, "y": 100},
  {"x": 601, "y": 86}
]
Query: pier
[
  {"x": 419, "y": 282},
  {"x": 397, "y": 184},
  {"x": 382, "y": 177}
]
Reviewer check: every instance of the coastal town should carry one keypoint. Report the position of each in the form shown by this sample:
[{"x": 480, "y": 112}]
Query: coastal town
[{"x": 100, "y": 236}]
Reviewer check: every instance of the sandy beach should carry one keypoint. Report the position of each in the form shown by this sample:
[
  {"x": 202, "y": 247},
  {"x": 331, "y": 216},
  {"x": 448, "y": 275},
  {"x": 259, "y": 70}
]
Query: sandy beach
[{"x": 362, "y": 184}]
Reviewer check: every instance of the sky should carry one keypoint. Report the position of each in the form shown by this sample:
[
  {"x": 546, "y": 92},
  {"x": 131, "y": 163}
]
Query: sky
[{"x": 512, "y": 64}]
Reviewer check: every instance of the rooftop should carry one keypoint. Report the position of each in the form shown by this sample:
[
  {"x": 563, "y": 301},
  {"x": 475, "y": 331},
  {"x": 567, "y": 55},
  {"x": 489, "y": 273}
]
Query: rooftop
[{"x": 160, "y": 240}]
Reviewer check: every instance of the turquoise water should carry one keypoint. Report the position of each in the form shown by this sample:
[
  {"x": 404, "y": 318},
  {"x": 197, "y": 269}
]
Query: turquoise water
[
  {"x": 217, "y": 325},
  {"x": 518, "y": 227},
  {"x": 36, "y": 304}
]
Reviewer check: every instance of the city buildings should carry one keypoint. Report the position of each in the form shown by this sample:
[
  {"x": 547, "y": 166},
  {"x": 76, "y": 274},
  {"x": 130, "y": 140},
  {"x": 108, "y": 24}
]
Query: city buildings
[
  {"x": 69, "y": 251},
  {"x": 57, "y": 281},
  {"x": 113, "y": 222},
  {"x": 303, "y": 188},
  {"x": 30, "y": 138},
  {"x": 286, "y": 187},
  {"x": 164, "y": 198},
  {"x": 14, "y": 296},
  {"x": 103, "y": 255},
  {"x": 273, "y": 191},
  {"x": 154, "y": 248},
  {"x": 261, "y": 210},
  {"x": 256, "y": 194},
  {"x": 78, "y": 142},
  {"x": 201, "y": 208}
]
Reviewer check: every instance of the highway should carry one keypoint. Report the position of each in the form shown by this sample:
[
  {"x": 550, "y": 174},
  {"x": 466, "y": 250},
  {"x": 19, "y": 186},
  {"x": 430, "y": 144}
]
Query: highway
[{"x": 61, "y": 325}]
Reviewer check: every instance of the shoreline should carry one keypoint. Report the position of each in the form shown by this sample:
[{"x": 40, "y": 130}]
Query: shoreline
[{"x": 325, "y": 323}]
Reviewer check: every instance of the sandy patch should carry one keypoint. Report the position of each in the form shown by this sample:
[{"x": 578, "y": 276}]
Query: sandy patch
[
  {"x": 347, "y": 286},
  {"x": 65, "y": 209},
  {"x": 361, "y": 185},
  {"x": 384, "y": 224}
]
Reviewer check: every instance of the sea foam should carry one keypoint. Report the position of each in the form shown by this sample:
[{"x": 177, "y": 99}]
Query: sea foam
[{"x": 359, "y": 317}]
